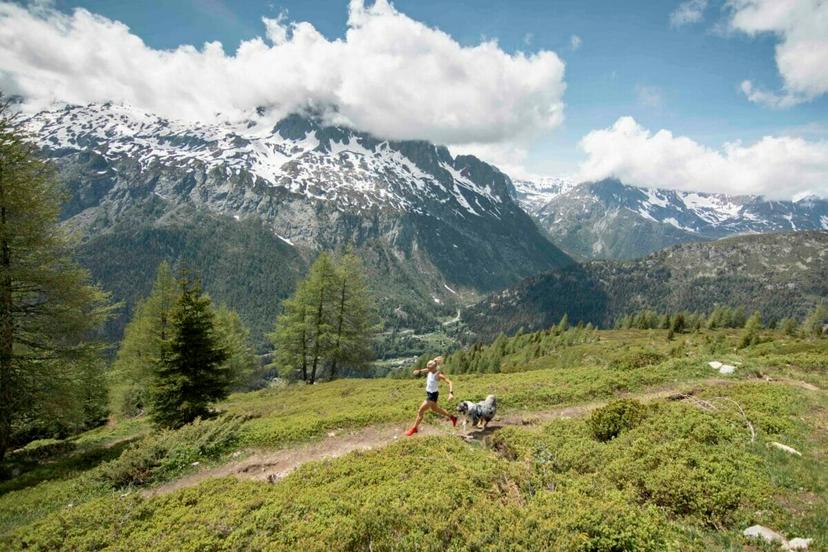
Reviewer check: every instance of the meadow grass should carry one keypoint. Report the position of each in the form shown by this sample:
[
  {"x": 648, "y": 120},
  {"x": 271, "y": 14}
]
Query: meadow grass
[
  {"x": 442, "y": 493},
  {"x": 682, "y": 479}
]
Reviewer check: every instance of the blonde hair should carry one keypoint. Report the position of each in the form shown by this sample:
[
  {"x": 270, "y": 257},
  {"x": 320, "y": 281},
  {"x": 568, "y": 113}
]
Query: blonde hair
[{"x": 431, "y": 363}]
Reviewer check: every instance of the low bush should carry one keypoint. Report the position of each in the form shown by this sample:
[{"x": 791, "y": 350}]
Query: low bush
[
  {"x": 42, "y": 449},
  {"x": 168, "y": 452},
  {"x": 636, "y": 359},
  {"x": 609, "y": 421}
]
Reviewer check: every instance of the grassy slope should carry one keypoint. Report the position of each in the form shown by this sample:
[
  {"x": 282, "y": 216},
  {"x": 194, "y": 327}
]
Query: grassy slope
[{"x": 553, "y": 483}]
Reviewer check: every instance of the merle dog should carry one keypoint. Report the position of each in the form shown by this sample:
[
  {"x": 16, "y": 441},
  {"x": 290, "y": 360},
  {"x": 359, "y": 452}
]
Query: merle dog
[{"x": 482, "y": 411}]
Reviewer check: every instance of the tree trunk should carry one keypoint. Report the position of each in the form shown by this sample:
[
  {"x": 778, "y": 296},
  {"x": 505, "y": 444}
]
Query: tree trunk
[
  {"x": 6, "y": 330},
  {"x": 318, "y": 327},
  {"x": 339, "y": 330},
  {"x": 304, "y": 353}
]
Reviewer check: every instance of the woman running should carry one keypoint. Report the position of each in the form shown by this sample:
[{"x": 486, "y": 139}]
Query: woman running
[{"x": 433, "y": 378}]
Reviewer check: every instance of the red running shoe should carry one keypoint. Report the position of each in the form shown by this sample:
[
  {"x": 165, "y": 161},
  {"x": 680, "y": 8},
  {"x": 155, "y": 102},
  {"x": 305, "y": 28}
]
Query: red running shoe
[
  {"x": 411, "y": 431},
  {"x": 453, "y": 420}
]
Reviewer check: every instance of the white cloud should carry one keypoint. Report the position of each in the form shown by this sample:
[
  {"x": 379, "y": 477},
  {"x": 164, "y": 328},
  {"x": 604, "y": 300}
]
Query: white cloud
[
  {"x": 691, "y": 11},
  {"x": 775, "y": 166},
  {"x": 801, "y": 54},
  {"x": 389, "y": 75},
  {"x": 509, "y": 157},
  {"x": 575, "y": 42}
]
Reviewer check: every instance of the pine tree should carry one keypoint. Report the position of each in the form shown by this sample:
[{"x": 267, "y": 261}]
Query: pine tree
[
  {"x": 193, "y": 373},
  {"x": 146, "y": 339},
  {"x": 47, "y": 306}
]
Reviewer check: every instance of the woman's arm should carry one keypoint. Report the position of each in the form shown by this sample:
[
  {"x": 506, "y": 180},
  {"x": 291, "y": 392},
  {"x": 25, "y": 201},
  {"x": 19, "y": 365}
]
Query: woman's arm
[{"x": 451, "y": 385}]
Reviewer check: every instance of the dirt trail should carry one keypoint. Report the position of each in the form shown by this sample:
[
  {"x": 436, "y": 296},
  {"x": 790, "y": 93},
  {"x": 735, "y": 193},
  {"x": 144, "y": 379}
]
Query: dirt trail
[{"x": 272, "y": 465}]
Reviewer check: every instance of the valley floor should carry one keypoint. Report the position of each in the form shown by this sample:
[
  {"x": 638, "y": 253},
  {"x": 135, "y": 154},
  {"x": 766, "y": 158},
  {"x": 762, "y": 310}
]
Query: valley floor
[{"x": 325, "y": 467}]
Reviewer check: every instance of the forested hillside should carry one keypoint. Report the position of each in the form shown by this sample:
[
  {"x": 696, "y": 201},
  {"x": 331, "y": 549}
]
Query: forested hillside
[{"x": 778, "y": 274}]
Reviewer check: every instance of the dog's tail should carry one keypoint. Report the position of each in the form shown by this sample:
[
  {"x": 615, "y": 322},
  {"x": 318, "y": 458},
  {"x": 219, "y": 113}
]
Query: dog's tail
[{"x": 492, "y": 400}]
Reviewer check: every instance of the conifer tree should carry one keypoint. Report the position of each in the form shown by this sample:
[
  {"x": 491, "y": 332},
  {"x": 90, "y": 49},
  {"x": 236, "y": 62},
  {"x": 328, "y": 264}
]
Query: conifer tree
[
  {"x": 812, "y": 325},
  {"x": 290, "y": 336},
  {"x": 146, "y": 340},
  {"x": 677, "y": 323},
  {"x": 788, "y": 326},
  {"x": 48, "y": 308},
  {"x": 328, "y": 322},
  {"x": 354, "y": 316},
  {"x": 752, "y": 327},
  {"x": 321, "y": 283},
  {"x": 234, "y": 338},
  {"x": 193, "y": 373}
]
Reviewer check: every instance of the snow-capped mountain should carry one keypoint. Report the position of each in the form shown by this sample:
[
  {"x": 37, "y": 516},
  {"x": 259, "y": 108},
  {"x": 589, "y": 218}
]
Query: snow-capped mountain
[
  {"x": 609, "y": 219},
  {"x": 534, "y": 194},
  {"x": 431, "y": 227},
  {"x": 352, "y": 170}
]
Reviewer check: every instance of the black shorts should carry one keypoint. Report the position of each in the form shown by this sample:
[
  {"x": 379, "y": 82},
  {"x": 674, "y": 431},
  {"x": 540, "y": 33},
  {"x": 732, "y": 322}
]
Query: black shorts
[{"x": 432, "y": 396}]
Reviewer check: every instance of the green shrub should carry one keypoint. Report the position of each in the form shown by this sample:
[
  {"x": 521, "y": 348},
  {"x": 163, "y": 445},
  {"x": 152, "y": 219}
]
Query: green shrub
[
  {"x": 691, "y": 463},
  {"x": 609, "y": 421},
  {"x": 630, "y": 360},
  {"x": 585, "y": 515},
  {"x": 168, "y": 452},
  {"x": 42, "y": 449}
]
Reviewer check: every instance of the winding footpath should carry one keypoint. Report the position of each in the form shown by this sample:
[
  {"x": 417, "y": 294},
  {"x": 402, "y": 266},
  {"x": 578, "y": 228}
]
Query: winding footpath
[{"x": 270, "y": 465}]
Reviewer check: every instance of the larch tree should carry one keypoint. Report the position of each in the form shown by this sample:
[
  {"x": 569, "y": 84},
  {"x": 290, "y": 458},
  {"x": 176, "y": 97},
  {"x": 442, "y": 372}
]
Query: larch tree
[
  {"x": 354, "y": 316},
  {"x": 145, "y": 344},
  {"x": 290, "y": 336},
  {"x": 234, "y": 338},
  {"x": 48, "y": 308},
  {"x": 321, "y": 284},
  {"x": 327, "y": 323}
]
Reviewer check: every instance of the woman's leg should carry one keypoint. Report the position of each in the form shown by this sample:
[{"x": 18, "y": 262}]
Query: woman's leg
[
  {"x": 421, "y": 412},
  {"x": 439, "y": 410}
]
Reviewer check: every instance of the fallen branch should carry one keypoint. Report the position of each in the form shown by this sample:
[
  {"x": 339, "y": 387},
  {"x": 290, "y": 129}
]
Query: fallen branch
[{"x": 709, "y": 406}]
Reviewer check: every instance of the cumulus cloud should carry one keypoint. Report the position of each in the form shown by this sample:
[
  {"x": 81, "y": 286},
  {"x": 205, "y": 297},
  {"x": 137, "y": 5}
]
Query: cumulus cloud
[
  {"x": 778, "y": 167},
  {"x": 390, "y": 75},
  {"x": 691, "y": 11},
  {"x": 802, "y": 51}
]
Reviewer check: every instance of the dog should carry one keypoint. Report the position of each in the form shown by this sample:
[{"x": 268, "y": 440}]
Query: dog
[{"x": 482, "y": 411}]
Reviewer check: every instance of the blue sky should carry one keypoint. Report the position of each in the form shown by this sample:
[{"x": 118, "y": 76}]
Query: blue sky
[
  {"x": 628, "y": 49},
  {"x": 630, "y": 61}
]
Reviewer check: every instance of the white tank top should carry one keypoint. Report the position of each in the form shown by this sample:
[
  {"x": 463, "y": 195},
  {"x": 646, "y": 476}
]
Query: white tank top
[{"x": 432, "y": 383}]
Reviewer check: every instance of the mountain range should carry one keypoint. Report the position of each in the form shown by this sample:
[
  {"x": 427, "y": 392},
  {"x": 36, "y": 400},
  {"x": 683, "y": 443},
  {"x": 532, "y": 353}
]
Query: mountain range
[
  {"x": 609, "y": 219},
  {"x": 779, "y": 274},
  {"x": 251, "y": 203}
]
